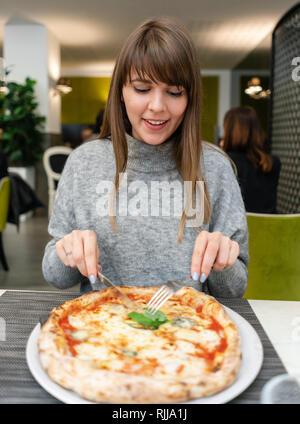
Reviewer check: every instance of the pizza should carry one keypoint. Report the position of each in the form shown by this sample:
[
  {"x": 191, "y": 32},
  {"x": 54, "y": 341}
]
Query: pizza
[{"x": 98, "y": 348}]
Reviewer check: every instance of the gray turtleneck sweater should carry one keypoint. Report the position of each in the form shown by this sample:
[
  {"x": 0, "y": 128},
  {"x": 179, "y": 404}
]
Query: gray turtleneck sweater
[{"x": 145, "y": 250}]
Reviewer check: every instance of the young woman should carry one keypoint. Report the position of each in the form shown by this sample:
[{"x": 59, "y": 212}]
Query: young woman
[
  {"x": 150, "y": 138},
  {"x": 258, "y": 171}
]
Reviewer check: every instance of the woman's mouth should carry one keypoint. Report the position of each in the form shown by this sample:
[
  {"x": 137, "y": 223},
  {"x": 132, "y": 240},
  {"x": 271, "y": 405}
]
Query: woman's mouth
[{"x": 155, "y": 124}]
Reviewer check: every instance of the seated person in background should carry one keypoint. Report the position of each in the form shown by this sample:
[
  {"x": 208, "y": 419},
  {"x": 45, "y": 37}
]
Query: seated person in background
[
  {"x": 87, "y": 133},
  {"x": 99, "y": 120},
  {"x": 258, "y": 171}
]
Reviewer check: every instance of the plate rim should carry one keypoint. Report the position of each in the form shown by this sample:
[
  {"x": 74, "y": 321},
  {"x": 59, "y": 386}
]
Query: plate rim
[{"x": 231, "y": 392}]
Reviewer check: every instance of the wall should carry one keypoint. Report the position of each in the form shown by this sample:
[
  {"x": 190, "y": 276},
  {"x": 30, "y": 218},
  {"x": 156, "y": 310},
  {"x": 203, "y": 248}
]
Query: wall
[
  {"x": 30, "y": 50},
  {"x": 54, "y": 100},
  {"x": 222, "y": 98},
  {"x": 88, "y": 97},
  {"x": 209, "y": 107}
]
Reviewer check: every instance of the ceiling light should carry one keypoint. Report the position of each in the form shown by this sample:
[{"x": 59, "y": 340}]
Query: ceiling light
[
  {"x": 255, "y": 89},
  {"x": 63, "y": 86}
]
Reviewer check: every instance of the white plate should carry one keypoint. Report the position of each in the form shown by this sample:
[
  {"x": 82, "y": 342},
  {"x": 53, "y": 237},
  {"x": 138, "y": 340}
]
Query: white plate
[{"x": 252, "y": 359}]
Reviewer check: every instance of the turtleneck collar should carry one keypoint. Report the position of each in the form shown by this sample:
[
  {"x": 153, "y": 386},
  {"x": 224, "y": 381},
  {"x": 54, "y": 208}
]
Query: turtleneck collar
[{"x": 148, "y": 158}]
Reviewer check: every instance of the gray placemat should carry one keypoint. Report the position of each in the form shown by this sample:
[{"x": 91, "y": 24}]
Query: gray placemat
[{"x": 20, "y": 311}]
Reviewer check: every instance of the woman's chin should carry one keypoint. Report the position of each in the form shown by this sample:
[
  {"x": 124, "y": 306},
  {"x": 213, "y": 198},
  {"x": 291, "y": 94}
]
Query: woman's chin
[{"x": 153, "y": 140}]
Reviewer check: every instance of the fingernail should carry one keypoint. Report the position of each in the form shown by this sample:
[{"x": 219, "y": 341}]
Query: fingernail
[
  {"x": 202, "y": 278},
  {"x": 92, "y": 279},
  {"x": 195, "y": 276}
]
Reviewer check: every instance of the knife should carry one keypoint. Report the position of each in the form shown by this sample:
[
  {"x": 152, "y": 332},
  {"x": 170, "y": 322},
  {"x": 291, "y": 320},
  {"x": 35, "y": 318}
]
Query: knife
[{"x": 125, "y": 299}]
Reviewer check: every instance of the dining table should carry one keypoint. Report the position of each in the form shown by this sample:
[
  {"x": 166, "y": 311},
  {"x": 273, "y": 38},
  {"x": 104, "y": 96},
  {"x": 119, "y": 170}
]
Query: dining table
[{"x": 277, "y": 324}]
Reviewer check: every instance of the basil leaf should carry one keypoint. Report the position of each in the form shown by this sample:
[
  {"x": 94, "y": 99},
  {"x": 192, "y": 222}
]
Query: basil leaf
[
  {"x": 148, "y": 319},
  {"x": 160, "y": 317},
  {"x": 141, "y": 318}
]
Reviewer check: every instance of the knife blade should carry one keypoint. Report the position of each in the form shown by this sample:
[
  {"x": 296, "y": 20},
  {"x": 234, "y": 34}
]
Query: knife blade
[{"x": 125, "y": 299}]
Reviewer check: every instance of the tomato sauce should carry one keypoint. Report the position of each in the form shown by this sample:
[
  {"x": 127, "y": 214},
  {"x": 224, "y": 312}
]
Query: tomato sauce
[
  {"x": 65, "y": 325},
  {"x": 68, "y": 328},
  {"x": 142, "y": 299},
  {"x": 139, "y": 366},
  {"x": 179, "y": 369},
  {"x": 106, "y": 299},
  {"x": 199, "y": 309},
  {"x": 71, "y": 343}
]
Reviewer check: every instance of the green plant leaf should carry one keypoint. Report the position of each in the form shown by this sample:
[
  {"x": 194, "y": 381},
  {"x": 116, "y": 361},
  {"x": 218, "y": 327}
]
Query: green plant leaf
[
  {"x": 21, "y": 125},
  {"x": 7, "y": 135},
  {"x": 16, "y": 155}
]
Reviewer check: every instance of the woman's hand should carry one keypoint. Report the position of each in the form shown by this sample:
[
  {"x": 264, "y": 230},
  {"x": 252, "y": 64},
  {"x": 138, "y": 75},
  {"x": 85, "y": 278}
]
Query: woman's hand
[
  {"x": 212, "y": 251},
  {"x": 79, "y": 249}
]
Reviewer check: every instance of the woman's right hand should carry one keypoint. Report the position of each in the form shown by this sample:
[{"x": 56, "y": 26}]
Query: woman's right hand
[{"x": 79, "y": 249}]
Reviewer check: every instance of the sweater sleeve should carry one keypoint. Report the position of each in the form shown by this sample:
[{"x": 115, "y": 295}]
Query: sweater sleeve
[
  {"x": 229, "y": 217},
  {"x": 62, "y": 222}
]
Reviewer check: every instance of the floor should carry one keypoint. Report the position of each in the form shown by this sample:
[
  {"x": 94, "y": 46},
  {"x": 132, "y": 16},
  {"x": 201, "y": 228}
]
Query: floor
[{"x": 24, "y": 253}]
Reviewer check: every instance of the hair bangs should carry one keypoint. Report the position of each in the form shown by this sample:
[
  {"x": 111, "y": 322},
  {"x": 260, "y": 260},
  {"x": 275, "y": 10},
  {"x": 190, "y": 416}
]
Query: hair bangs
[{"x": 152, "y": 63}]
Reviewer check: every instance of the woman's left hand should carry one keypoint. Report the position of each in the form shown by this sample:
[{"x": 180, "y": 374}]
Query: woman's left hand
[{"x": 212, "y": 251}]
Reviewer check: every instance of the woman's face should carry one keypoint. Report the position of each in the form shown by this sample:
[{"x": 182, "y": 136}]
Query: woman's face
[{"x": 155, "y": 110}]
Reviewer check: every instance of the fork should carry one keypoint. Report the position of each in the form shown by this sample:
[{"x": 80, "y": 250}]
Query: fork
[{"x": 163, "y": 294}]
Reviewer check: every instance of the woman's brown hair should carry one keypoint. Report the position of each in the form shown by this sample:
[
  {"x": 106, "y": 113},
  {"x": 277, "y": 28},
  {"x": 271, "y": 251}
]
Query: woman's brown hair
[
  {"x": 162, "y": 51},
  {"x": 243, "y": 133}
]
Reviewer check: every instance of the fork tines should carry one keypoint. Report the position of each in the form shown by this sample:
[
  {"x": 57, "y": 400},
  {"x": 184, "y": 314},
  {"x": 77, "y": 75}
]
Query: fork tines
[{"x": 160, "y": 297}]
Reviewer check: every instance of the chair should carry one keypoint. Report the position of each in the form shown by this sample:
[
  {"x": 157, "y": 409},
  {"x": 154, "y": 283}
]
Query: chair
[
  {"x": 54, "y": 160},
  {"x": 274, "y": 249},
  {"x": 4, "y": 205}
]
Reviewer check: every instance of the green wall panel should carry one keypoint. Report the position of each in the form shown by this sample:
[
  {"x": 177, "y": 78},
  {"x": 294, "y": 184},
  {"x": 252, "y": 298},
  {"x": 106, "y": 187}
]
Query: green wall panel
[
  {"x": 88, "y": 97},
  {"x": 209, "y": 106}
]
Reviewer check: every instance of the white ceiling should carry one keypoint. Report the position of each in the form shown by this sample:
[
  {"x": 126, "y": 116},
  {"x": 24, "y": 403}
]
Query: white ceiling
[{"x": 91, "y": 32}]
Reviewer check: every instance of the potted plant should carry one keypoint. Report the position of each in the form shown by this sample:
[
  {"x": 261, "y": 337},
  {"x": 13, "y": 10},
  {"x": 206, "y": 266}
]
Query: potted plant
[{"x": 21, "y": 139}]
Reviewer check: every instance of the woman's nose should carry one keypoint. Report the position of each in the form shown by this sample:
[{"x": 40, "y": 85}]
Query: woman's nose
[{"x": 156, "y": 102}]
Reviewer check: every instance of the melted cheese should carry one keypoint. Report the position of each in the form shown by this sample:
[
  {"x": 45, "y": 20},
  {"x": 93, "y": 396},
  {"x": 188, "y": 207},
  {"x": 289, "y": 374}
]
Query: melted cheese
[{"x": 105, "y": 337}]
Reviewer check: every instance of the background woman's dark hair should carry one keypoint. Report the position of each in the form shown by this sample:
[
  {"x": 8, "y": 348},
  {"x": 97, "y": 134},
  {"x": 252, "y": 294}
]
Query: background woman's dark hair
[{"x": 243, "y": 133}]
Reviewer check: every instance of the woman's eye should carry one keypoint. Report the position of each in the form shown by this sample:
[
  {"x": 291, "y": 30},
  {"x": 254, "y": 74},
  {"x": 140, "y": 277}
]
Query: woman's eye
[
  {"x": 141, "y": 90},
  {"x": 176, "y": 94}
]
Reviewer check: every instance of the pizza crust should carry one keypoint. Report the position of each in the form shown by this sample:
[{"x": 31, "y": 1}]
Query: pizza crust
[{"x": 101, "y": 385}]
